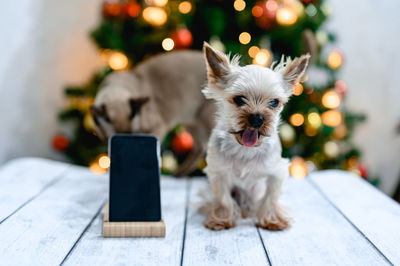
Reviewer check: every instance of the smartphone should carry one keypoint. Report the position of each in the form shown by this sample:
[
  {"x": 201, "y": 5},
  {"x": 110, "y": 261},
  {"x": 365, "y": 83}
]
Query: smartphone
[{"x": 134, "y": 178}]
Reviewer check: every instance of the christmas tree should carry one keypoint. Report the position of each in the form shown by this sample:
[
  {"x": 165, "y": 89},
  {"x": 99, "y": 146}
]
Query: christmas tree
[{"x": 316, "y": 128}]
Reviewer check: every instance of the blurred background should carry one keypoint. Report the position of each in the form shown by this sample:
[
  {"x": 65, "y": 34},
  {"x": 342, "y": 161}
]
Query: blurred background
[{"x": 344, "y": 115}]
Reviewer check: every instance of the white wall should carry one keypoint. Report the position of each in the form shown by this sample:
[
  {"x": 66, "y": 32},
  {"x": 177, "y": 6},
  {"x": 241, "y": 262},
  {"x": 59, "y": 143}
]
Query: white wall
[
  {"x": 369, "y": 34},
  {"x": 44, "y": 46}
]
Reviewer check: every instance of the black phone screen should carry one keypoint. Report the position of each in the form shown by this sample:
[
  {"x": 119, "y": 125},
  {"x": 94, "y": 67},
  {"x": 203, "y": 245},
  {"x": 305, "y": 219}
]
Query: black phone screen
[{"x": 134, "y": 179}]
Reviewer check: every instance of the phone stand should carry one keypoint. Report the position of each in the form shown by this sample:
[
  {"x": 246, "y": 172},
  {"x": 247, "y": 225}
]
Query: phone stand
[
  {"x": 132, "y": 229},
  {"x": 134, "y": 206}
]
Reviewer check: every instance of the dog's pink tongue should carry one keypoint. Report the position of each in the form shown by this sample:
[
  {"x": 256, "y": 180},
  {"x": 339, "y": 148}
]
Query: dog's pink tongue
[{"x": 249, "y": 137}]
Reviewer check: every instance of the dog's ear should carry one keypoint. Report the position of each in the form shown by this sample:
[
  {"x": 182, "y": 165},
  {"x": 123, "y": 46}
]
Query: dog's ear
[
  {"x": 136, "y": 104},
  {"x": 218, "y": 66},
  {"x": 293, "y": 70}
]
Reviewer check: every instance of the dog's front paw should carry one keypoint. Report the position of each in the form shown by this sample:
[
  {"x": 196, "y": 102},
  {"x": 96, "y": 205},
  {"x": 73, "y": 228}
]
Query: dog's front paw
[
  {"x": 274, "y": 222},
  {"x": 216, "y": 224}
]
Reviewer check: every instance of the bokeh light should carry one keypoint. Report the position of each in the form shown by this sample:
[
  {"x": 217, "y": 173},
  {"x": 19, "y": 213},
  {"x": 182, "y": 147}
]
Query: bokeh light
[
  {"x": 314, "y": 120},
  {"x": 118, "y": 61},
  {"x": 262, "y": 58},
  {"x": 168, "y": 44},
  {"x": 296, "y": 119},
  {"x": 332, "y": 118},
  {"x": 185, "y": 7},
  {"x": 331, "y": 99},
  {"x": 160, "y": 2},
  {"x": 155, "y": 15},
  {"x": 95, "y": 168},
  {"x": 298, "y": 168},
  {"x": 335, "y": 59},
  {"x": 331, "y": 149},
  {"x": 244, "y": 38},
  {"x": 286, "y": 16},
  {"x": 104, "y": 161},
  {"x": 298, "y": 89},
  {"x": 253, "y": 51},
  {"x": 239, "y": 5}
]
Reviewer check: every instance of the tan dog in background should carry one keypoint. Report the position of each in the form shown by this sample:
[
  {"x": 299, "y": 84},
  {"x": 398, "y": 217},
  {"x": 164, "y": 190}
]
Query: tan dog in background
[{"x": 158, "y": 94}]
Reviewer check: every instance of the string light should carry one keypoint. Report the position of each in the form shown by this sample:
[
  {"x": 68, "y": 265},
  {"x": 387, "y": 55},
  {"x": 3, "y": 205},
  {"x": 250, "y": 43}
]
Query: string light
[
  {"x": 168, "y": 44},
  {"x": 160, "y": 2},
  {"x": 332, "y": 118},
  {"x": 155, "y": 15},
  {"x": 117, "y": 61},
  {"x": 299, "y": 7},
  {"x": 287, "y": 134},
  {"x": 95, "y": 168},
  {"x": 262, "y": 58},
  {"x": 296, "y": 119},
  {"x": 253, "y": 51},
  {"x": 331, "y": 149},
  {"x": 239, "y": 5},
  {"x": 335, "y": 59},
  {"x": 331, "y": 99},
  {"x": 104, "y": 161},
  {"x": 314, "y": 120},
  {"x": 298, "y": 89},
  {"x": 298, "y": 168},
  {"x": 286, "y": 16},
  {"x": 244, "y": 38},
  {"x": 185, "y": 7}
]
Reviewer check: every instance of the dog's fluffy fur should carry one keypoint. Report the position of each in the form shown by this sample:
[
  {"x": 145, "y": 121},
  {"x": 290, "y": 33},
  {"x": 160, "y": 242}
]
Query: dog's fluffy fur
[
  {"x": 246, "y": 178},
  {"x": 158, "y": 94}
]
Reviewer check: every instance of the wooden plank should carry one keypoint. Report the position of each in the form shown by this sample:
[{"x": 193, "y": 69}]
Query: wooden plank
[
  {"x": 44, "y": 230},
  {"x": 240, "y": 245},
  {"x": 132, "y": 229},
  {"x": 93, "y": 249},
  {"x": 23, "y": 179},
  {"x": 319, "y": 235},
  {"x": 372, "y": 212}
]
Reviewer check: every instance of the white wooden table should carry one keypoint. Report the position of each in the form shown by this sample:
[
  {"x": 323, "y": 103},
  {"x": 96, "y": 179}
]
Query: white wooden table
[{"x": 51, "y": 213}]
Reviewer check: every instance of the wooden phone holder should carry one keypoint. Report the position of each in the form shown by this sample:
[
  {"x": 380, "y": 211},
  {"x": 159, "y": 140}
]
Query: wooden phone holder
[{"x": 132, "y": 229}]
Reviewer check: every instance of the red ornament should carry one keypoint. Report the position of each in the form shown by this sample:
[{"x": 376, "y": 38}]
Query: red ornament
[
  {"x": 182, "y": 142},
  {"x": 182, "y": 38},
  {"x": 60, "y": 142},
  {"x": 111, "y": 9},
  {"x": 309, "y": 1},
  {"x": 264, "y": 13},
  {"x": 363, "y": 170},
  {"x": 132, "y": 9}
]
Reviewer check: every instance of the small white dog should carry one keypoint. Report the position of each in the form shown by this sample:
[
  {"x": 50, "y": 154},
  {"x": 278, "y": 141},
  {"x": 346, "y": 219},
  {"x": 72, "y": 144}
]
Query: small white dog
[{"x": 244, "y": 163}]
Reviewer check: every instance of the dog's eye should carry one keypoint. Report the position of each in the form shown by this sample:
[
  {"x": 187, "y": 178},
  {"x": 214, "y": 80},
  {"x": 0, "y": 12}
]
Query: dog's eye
[
  {"x": 239, "y": 100},
  {"x": 273, "y": 103}
]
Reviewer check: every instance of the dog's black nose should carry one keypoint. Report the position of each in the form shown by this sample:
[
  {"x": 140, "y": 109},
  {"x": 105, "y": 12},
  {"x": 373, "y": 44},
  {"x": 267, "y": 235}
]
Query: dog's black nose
[{"x": 256, "y": 120}]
